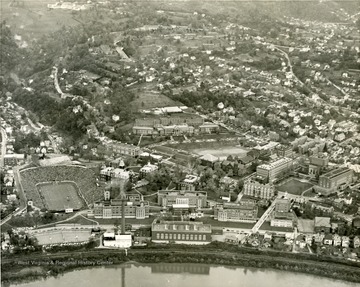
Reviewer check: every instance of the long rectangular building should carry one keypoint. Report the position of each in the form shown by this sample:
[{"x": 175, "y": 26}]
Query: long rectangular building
[
  {"x": 113, "y": 208},
  {"x": 125, "y": 149},
  {"x": 167, "y": 198},
  {"x": 237, "y": 212},
  {"x": 335, "y": 179},
  {"x": 183, "y": 232}
]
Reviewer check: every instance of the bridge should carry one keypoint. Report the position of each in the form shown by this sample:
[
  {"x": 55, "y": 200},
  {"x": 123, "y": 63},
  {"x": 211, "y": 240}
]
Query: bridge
[{"x": 264, "y": 216}]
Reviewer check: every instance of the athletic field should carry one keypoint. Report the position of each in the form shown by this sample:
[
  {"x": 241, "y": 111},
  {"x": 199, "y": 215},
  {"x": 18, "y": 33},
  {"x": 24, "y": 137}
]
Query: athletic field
[
  {"x": 60, "y": 195},
  {"x": 62, "y": 236},
  {"x": 222, "y": 152},
  {"x": 294, "y": 186}
]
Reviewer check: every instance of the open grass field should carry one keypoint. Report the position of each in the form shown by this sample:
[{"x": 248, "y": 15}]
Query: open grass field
[
  {"x": 148, "y": 99},
  {"x": 294, "y": 186},
  {"x": 62, "y": 236},
  {"x": 59, "y": 196}
]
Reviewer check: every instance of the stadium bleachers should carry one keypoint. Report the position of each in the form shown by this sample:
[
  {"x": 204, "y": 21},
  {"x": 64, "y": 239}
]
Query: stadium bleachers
[{"x": 84, "y": 178}]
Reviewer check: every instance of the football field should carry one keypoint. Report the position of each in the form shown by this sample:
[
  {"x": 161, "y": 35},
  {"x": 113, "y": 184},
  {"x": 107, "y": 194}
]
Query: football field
[{"x": 60, "y": 195}]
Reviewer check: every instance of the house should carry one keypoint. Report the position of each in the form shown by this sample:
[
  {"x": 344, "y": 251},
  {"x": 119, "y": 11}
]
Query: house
[
  {"x": 336, "y": 240},
  {"x": 328, "y": 239},
  {"x": 356, "y": 242},
  {"x": 309, "y": 239},
  {"x": 322, "y": 224},
  {"x": 345, "y": 241},
  {"x": 300, "y": 240},
  {"x": 267, "y": 236},
  {"x": 318, "y": 238}
]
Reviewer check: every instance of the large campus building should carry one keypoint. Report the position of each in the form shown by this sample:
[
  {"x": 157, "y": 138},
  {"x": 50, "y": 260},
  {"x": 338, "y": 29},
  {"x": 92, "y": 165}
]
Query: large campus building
[
  {"x": 111, "y": 208},
  {"x": 179, "y": 125},
  {"x": 283, "y": 219},
  {"x": 184, "y": 232},
  {"x": 168, "y": 198},
  {"x": 244, "y": 211},
  {"x": 258, "y": 190},
  {"x": 271, "y": 171},
  {"x": 125, "y": 149},
  {"x": 334, "y": 180}
]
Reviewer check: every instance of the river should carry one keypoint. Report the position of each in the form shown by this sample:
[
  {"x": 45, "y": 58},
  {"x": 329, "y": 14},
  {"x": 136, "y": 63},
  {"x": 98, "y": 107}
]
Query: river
[{"x": 179, "y": 275}]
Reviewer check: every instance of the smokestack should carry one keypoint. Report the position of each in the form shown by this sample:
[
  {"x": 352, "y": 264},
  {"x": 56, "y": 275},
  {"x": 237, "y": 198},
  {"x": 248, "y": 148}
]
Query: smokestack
[
  {"x": 123, "y": 217},
  {"x": 123, "y": 199}
]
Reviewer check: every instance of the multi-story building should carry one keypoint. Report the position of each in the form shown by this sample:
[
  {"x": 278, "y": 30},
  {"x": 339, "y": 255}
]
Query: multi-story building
[
  {"x": 271, "y": 171},
  {"x": 258, "y": 190},
  {"x": 208, "y": 128},
  {"x": 197, "y": 199},
  {"x": 317, "y": 164},
  {"x": 109, "y": 173},
  {"x": 282, "y": 205},
  {"x": 335, "y": 180},
  {"x": 283, "y": 219},
  {"x": 236, "y": 212},
  {"x": 113, "y": 208},
  {"x": 285, "y": 151},
  {"x": 125, "y": 149},
  {"x": 167, "y": 125},
  {"x": 140, "y": 130},
  {"x": 189, "y": 182},
  {"x": 148, "y": 168},
  {"x": 184, "y": 232}
]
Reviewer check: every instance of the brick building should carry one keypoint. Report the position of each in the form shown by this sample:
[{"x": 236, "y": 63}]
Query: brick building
[
  {"x": 258, "y": 190},
  {"x": 184, "y": 232},
  {"x": 197, "y": 199}
]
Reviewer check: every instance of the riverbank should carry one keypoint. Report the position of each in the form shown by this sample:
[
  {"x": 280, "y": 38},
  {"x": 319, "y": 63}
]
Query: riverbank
[{"x": 35, "y": 266}]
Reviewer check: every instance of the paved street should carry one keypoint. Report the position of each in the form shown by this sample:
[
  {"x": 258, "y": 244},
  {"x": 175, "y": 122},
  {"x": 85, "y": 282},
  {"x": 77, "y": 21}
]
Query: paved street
[{"x": 3, "y": 146}]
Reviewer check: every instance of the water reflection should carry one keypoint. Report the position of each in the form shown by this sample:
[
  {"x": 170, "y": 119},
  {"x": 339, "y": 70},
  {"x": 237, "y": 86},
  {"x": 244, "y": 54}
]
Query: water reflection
[{"x": 181, "y": 268}]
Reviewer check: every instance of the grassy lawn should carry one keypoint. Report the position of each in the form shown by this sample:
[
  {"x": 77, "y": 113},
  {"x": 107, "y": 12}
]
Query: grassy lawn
[
  {"x": 149, "y": 100},
  {"x": 294, "y": 186}
]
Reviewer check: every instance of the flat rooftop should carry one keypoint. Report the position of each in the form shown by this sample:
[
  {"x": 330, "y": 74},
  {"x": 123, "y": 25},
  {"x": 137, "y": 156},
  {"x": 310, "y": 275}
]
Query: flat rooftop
[
  {"x": 275, "y": 163},
  {"x": 335, "y": 172},
  {"x": 182, "y": 192},
  {"x": 175, "y": 226}
]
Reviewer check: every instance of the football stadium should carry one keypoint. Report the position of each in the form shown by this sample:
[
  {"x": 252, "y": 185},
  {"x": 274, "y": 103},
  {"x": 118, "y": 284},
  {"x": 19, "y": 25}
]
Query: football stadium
[{"x": 59, "y": 188}]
